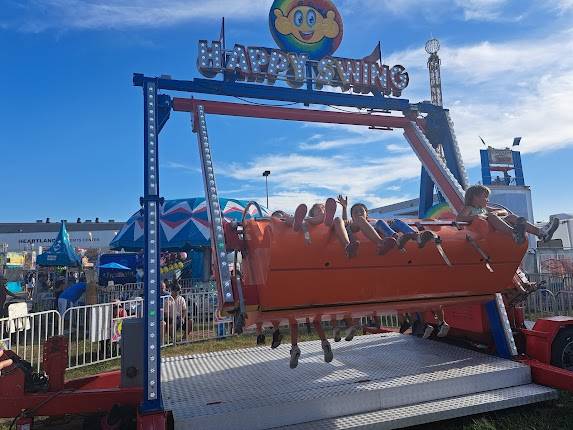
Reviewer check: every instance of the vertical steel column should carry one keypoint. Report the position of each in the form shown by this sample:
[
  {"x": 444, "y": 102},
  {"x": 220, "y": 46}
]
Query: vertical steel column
[
  {"x": 485, "y": 170},
  {"x": 151, "y": 207},
  {"x": 223, "y": 274}
]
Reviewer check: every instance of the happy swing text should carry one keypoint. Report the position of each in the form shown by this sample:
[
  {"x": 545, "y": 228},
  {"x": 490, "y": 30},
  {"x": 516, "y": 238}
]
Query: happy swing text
[{"x": 257, "y": 64}]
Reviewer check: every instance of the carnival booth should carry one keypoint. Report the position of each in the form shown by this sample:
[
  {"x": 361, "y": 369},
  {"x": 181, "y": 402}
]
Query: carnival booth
[
  {"x": 60, "y": 257},
  {"x": 184, "y": 229}
]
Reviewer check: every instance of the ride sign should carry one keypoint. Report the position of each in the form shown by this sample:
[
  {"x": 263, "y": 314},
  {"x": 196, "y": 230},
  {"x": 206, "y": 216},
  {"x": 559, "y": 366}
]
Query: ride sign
[{"x": 308, "y": 33}]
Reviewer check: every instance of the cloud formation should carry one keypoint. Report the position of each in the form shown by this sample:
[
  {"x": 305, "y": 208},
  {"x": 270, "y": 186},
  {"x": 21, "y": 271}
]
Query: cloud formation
[{"x": 40, "y": 15}]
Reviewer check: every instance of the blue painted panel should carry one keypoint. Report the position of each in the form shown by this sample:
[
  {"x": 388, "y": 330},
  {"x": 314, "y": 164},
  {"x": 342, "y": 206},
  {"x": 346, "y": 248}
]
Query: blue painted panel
[{"x": 501, "y": 347}]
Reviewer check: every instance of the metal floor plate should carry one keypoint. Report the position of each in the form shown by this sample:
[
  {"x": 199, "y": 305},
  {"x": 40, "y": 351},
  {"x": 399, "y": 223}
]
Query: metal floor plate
[
  {"x": 438, "y": 410},
  {"x": 255, "y": 388}
]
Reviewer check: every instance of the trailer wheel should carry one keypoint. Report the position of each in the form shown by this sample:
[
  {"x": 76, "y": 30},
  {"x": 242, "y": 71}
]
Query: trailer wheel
[{"x": 562, "y": 349}]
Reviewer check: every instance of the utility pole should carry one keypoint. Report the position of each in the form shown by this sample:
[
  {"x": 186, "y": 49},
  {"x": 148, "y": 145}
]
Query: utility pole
[{"x": 266, "y": 174}]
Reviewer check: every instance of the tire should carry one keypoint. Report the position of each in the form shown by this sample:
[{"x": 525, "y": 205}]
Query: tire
[{"x": 562, "y": 349}]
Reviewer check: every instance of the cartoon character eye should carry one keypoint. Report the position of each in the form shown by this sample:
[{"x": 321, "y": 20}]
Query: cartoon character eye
[
  {"x": 298, "y": 18},
  {"x": 311, "y": 18}
]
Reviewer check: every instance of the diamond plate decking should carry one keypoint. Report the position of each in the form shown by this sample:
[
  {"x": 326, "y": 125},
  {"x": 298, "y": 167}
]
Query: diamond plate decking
[{"x": 255, "y": 388}]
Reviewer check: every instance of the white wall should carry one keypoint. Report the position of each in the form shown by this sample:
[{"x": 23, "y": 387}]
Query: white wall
[{"x": 78, "y": 239}]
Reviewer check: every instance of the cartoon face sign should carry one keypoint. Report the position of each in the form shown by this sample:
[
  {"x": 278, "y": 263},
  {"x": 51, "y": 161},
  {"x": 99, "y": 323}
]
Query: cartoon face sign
[{"x": 312, "y": 27}]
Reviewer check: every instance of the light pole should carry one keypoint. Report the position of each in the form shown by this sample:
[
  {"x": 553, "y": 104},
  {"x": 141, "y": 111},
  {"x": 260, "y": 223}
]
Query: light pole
[{"x": 266, "y": 174}]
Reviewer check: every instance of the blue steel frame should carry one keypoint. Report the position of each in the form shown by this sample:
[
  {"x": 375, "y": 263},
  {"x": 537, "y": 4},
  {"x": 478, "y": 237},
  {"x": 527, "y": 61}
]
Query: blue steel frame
[
  {"x": 157, "y": 108},
  {"x": 156, "y": 111}
]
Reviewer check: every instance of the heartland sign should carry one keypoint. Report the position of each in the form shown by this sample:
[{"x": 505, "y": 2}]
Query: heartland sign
[{"x": 258, "y": 64}]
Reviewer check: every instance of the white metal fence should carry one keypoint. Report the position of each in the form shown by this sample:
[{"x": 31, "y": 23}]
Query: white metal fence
[
  {"x": 25, "y": 333},
  {"x": 553, "y": 297},
  {"x": 112, "y": 293},
  {"x": 93, "y": 332}
]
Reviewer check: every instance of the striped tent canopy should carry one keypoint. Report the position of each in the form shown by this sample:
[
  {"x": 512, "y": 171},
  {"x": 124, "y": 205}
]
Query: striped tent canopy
[{"x": 184, "y": 224}]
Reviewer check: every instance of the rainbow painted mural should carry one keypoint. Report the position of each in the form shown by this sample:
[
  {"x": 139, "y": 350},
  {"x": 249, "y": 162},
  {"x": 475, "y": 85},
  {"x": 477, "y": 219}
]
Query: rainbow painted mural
[
  {"x": 312, "y": 27},
  {"x": 440, "y": 211}
]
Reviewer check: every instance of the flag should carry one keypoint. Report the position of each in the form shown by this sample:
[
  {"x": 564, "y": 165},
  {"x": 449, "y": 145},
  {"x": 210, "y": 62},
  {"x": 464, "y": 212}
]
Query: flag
[
  {"x": 516, "y": 141},
  {"x": 482, "y": 141},
  {"x": 222, "y": 34},
  {"x": 375, "y": 56}
]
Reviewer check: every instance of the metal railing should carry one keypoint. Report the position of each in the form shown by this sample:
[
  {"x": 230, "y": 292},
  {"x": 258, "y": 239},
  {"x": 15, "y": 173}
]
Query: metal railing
[
  {"x": 94, "y": 331},
  {"x": 25, "y": 335}
]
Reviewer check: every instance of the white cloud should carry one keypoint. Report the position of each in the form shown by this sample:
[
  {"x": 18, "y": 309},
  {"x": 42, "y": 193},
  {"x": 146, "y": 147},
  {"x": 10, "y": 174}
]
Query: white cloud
[
  {"x": 501, "y": 90},
  {"x": 182, "y": 167},
  {"x": 120, "y": 14},
  {"x": 482, "y": 10},
  {"x": 433, "y": 10},
  {"x": 564, "y": 5},
  {"x": 358, "y": 177}
]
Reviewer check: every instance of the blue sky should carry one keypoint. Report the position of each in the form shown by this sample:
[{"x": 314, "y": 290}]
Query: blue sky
[{"x": 72, "y": 121}]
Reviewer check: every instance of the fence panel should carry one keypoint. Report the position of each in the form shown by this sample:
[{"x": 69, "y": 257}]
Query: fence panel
[
  {"x": 94, "y": 331},
  {"x": 123, "y": 292},
  {"x": 25, "y": 335},
  {"x": 541, "y": 303},
  {"x": 564, "y": 300},
  {"x": 193, "y": 318}
]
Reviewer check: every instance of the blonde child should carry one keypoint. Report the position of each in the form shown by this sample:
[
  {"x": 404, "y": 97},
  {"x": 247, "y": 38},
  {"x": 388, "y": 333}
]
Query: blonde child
[{"x": 476, "y": 200}]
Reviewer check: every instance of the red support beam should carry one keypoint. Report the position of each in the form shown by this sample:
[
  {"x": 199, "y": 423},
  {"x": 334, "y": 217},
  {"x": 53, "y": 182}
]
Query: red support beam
[{"x": 292, "y": 114}]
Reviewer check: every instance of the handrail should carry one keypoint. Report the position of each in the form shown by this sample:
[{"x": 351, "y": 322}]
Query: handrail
[{"x": 246, "y": 210}]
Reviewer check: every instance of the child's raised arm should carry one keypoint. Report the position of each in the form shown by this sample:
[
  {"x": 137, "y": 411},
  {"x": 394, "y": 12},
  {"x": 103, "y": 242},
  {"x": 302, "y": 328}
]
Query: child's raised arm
[{"x": 343, "y": 201}]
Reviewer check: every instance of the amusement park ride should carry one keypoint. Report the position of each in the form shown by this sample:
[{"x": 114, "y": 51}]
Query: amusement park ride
[{"x": 472, "y": 272}]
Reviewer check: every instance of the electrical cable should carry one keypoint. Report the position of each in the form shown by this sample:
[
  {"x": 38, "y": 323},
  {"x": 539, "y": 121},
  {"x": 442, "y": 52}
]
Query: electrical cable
[{"x": 265, "y": 104}]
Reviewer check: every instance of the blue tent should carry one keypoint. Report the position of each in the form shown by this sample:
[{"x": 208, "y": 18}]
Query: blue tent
[
  {"x": 114, "y": 266},
  {"x": 184, "y": 224},
  {"x": 60, "y": 253}
]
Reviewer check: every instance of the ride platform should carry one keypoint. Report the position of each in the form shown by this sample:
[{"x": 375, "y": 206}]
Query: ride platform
[{"x": 378, "y": 381}]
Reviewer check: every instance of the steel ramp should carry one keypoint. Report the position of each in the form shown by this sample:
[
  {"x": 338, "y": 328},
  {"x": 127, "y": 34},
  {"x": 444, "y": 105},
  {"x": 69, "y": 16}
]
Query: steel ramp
[
  {"x": 255, "y": 388},
  {"x": 438, "y": 410}
]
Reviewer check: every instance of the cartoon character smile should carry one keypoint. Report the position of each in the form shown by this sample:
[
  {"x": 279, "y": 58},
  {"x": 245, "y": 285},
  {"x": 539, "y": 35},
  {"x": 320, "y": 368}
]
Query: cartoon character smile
[
  {"x": 307, "y": 24},
  {"x": 312, "y": 27}
]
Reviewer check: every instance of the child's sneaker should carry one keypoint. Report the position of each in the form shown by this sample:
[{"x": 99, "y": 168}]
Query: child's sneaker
[
  {"x": 328, "y": 355},
  {"x": 294, "y": 356},
  {"x": 443, "y": 329},
  {"x": 277, "y": 339},
  {"x": 424, "y": 237},
  {"x": 261, "y": 339},
  {"x": 336, "y": 334},
  {"x": 299, "y": 215},
  {"x": 428, "y": 331},
  {"x": 388, "y": 243},
  {"x": 351, "y": 333},
  {"x": 352, "y": 249},
  {"x": 549, "y": 228},
  {"x": 405, "y": 326},
  {"x": 329, "y": 211},
  {"x": 402, "y": 240}
]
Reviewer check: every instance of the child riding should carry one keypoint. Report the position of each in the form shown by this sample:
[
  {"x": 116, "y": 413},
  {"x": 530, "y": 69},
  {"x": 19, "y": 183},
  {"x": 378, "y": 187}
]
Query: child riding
[{"x": 476, "y": 207}]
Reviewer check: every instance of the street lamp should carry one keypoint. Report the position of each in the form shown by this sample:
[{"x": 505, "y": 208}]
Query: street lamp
[{"x": 266, "y": 174}]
